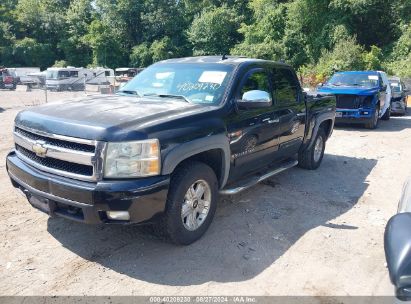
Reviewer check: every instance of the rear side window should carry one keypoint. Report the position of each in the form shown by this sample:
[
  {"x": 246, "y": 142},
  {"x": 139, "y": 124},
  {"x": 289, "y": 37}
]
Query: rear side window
[
  {"x": 107, "y": 73},
  {"x": 285, "y": 86},
  {"x": 74, "y": 74}
]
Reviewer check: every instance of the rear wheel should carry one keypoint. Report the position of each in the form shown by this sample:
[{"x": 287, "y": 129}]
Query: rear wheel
[
  {"x": 311, "y": 158},
  {"x": 191, "y": 203},
  {"x": 373, "y": 123}
]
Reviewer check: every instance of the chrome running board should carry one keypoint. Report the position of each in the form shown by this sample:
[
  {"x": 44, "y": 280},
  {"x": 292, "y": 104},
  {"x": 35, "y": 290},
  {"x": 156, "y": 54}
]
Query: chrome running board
[{"x": 257, "y": 179}]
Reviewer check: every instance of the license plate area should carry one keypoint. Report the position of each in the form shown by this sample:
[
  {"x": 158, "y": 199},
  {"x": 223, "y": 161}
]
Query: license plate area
[
  {"x": 40, "y": 204},
  {"x": 338, "y": 114}
]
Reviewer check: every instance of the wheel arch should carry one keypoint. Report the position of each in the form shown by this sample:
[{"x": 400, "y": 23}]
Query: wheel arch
[
  {"x": 327, "y": 125},
  {"x": 324, "y": 120},
  {"x": 212, "y": 150}
]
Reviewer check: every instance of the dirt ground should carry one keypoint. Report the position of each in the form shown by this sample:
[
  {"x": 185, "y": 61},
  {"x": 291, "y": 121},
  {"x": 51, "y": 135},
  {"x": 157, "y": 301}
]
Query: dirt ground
[{"x": 299, "y": 233}]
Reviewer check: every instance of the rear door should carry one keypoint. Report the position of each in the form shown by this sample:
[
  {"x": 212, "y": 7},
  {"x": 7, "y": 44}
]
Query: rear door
[{"x": 291, "y": 109}]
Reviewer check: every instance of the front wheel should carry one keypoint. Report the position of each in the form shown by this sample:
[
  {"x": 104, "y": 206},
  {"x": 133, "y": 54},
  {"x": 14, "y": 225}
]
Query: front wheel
[
  {"x": 311, "y": 158},
  {"x": 373, "y": 123},
  {"x": 191, "y": 203},
  {"x": 387, "y": 114}
]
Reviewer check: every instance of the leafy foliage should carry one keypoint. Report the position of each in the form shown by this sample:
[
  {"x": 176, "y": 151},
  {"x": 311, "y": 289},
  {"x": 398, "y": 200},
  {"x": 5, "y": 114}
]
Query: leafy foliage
[
  {"x": 214, "y": 31},
  {"x": 315, "y": 36}
]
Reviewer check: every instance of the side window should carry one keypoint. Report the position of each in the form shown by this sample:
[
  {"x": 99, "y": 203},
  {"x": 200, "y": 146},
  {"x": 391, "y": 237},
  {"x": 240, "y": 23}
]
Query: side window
[
  {"x": 74, "y": 74},
  {"x": 63, "y": 74},
  {"x": 107, "y": 73},
  {"x": 257, "y": 81},
  {"x": 285, "y": 86}
]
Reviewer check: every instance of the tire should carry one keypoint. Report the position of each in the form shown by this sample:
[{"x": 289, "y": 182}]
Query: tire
[
  {"x": 373, "y": 123},
  {"x": 174, "y": 225},
  {"x": 387, "y": 114},
  {"x": 311, "y": 158}
]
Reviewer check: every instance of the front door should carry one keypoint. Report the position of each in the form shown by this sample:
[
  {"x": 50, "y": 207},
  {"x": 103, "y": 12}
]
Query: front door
[
  {"x": 382, "y": 94},
  {"x": 254, "y": 133}
]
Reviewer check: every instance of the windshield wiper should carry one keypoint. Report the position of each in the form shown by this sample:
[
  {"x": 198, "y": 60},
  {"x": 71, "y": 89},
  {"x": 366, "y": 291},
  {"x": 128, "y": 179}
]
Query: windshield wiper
[
  {"x": 131, "y": 92},
  {"x": 182, "y": 97}
]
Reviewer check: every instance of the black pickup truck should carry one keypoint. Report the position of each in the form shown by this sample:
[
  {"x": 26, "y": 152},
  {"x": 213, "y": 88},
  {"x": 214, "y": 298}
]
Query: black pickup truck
[{"x": 163, "y": 148}]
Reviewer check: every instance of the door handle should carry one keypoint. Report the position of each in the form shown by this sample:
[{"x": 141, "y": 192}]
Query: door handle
[{"x": 269, "y": 120}]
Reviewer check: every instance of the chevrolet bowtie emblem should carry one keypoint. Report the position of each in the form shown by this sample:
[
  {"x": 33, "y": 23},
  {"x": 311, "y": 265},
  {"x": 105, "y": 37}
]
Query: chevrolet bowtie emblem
[{"x": 39, "y": 148}]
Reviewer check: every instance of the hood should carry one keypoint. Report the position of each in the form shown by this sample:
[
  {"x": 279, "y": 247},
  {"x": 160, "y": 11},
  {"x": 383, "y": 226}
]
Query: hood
[
  {"x": 348, "y": 90},
  {"x": 107, "y": 118}
]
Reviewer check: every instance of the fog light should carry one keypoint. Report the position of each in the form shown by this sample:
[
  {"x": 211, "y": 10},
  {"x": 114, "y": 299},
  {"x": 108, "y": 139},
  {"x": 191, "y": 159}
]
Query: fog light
[{"x": 118, "y": 215}]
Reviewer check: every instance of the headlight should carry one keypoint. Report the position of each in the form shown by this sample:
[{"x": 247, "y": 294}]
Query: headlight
[{"x": 132, "y": 159}]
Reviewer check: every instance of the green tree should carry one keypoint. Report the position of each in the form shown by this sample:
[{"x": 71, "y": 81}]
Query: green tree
[
  {"x": 29, "y": 52},
  {"x": 399, "y": 61},
  {"x": 214, "y": 31},
  {"x": 371, "y": 21},
  {"x": 373, "y": 58},
  {"x": 141, "y": 56},
  {"x": 346, "y": 55},
  {"x": 77, "y": 51},
  {"x": 106, "y": 47},
  {"x": 162, "y": 49},
  {"x": 42, "y": 20},
  {"x": 60, "y": 64},
  {"x": 263, "y": 36}
]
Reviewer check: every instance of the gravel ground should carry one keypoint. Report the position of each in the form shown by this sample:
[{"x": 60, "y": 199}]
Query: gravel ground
[{"x": 299, "y": 233}]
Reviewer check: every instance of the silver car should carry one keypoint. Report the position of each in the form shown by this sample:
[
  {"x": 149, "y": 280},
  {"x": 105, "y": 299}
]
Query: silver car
[{"x": 398, "y": 99}]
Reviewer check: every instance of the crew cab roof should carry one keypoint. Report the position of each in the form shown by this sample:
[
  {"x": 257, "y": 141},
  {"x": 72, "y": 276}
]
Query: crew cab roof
[{"x": 229, "y": 60}]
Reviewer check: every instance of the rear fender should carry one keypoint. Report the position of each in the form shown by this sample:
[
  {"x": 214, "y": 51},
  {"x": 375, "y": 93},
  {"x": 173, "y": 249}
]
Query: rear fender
[{"x": 317, "y": 121}]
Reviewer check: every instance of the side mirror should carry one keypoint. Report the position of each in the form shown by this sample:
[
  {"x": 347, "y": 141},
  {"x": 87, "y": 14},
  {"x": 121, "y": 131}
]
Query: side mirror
[
  {"x": 320, "y": 85},
  {"x": 384, "y": 87},
  {"x": 397, "y": 245},
  {"x": 255, "y": 99}
]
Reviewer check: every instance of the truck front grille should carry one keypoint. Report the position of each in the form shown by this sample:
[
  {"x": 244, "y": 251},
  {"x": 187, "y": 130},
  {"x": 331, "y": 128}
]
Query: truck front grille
[
  {"x": 57, "y": 142},
  {"x": 56, "y": 164},
  {"x": 349, "y": 101},
  {"x": 66, "y": 156}
]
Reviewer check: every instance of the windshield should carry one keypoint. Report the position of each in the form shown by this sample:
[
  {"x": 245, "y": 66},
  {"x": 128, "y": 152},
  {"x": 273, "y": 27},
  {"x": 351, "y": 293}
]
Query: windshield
[
  {"x": 51, "y": 74},
  {"x": 197, "y": 83},
  {"x": 354, "y": 79},
  {"x": 57, "y": 74},
  {"x": 396, "y": 86}
]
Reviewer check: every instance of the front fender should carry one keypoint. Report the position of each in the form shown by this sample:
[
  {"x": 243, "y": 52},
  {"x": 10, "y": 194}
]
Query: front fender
[{"x": 185, "y": 150}]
